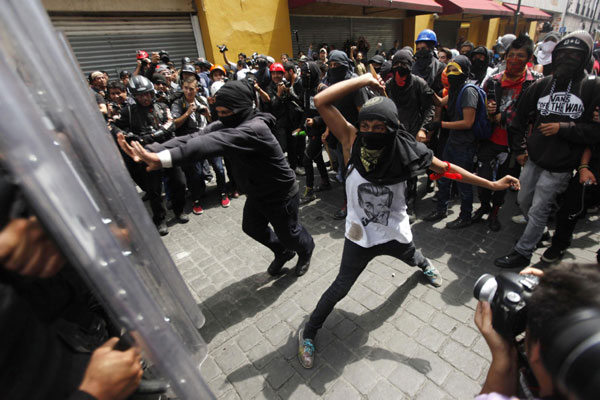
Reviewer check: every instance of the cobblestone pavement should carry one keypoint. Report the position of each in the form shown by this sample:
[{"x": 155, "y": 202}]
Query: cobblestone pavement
[{"x": 392, "y": 337}]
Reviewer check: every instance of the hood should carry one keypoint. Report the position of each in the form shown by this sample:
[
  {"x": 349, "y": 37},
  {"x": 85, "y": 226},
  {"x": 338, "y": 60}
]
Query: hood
[
  {"x": 578, "y": 40},
  {"x": 312, "y": 70},
  {"x": 339, "y": 57},
  {"x": 403, "y": 56}
]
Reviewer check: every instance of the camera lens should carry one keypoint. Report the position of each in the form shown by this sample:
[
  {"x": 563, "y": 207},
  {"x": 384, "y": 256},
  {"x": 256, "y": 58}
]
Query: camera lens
[{"x": 485, "y": 288}]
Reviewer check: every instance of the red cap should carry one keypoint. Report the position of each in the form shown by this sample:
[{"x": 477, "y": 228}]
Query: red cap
[
  {"x": 276, "y": 67},
  {"x": 141, "y": 54}
]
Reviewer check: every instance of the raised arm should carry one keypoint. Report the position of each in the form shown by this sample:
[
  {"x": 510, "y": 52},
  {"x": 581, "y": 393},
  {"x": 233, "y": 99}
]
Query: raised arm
[{"x": 344, "y": 131}]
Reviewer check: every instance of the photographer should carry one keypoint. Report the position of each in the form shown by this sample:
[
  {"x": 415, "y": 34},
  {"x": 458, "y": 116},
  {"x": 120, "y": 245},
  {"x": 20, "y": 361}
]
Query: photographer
[
  {"x": 553, "y": 308},
  {"x": 241, "y": 68}
]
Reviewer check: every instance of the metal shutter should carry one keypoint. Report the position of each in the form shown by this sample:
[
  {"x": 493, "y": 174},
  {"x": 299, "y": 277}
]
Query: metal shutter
[
  {"x": 447, "y": 32},
  {"x": 318, "y": 30},
  {"x": 336, "y": 30},
  {"x": 110, "y": 43},
  {"x": 378, "y": 30}
]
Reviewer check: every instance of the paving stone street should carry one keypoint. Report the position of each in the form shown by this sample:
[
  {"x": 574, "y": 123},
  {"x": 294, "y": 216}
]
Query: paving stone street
[{"x": 393, "y": 337}]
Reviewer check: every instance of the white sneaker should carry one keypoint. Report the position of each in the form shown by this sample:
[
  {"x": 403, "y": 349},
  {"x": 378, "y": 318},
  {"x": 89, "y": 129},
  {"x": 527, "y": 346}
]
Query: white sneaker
[{"x": 519, "y": 219}]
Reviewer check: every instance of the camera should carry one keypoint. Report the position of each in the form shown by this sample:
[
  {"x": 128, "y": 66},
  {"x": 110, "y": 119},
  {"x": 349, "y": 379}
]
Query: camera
[
  {"x": 164, "y": 56},
  {"x": 222, "y": 48},
  {"x": 286, "y": 83},
  {"x": 507, "y": 294}
]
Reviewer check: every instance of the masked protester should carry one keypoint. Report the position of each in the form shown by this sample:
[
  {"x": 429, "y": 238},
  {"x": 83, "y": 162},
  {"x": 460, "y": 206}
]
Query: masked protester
[
  {"x": 426, "y": 65},
  {"x": 340, "y": 70},
  {"x": 414, "y": 101},
  {"x": 480, "y": 62},
  {"x": 314, "y": 126},
  {"x": 560, "y": 108},
  {"x": 258, "y": 166},
  {"x": 461, "y": 145},
  {"x": 544, "y": 53},
  {"x": 503, "y": 92},
  {"x": 382, "y": 156}
]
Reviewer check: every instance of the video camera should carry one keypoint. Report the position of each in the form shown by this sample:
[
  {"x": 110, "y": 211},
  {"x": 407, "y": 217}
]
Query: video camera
[
  {"x": 222, "y": 48},
  {"x": 507, "y": 294},
  {"x": 164, "y": 56}
]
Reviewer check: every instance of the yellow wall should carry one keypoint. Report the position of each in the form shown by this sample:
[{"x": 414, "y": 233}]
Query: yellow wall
[
  {"x": 245, "y": 26},
  {"x": 492, "y": 33},
  {"x": 119, "y": 5}
]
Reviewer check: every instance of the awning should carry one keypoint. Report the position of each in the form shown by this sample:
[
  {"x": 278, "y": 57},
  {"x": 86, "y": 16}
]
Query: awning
[
  {"x": 481, "y": 7},
  {"x": 529, "y": 12},
  {"x": 415, "y": 5}
]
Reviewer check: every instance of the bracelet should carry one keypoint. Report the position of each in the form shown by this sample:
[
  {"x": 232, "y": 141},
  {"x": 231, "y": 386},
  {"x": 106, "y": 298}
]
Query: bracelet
[{"x": 582, "y": 166}]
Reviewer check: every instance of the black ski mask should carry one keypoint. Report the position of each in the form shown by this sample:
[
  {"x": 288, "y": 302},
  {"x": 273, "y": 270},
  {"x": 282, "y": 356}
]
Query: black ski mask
[
  {"x": 566, "y": 67},
  {"x": 344, "y": 71},
  {"x": 237, "y": 96}
]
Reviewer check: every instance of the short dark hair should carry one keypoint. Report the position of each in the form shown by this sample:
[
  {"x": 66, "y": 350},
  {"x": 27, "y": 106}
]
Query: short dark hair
[
  {"x": 466, "y": 43},
  {"x": 522, "y": 42},
  {"x": 447, "y": 51},
  {"x": 288, "y": 65},
  {"x": 191, "y": 79},
  {"x": 116, "y": 85},
  {"x": 562, "y": 290}
]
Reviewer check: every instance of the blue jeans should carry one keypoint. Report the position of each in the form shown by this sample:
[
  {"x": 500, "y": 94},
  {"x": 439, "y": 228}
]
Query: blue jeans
[
  {"x": 539, "y": 188},
  {"x": 462, "y": 156}
]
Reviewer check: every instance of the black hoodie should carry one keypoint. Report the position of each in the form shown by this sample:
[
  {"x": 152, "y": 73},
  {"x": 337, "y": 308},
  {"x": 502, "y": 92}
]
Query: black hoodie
[
  {"x": 570, "y": 102},
  {"x": 258, "y": 164}
]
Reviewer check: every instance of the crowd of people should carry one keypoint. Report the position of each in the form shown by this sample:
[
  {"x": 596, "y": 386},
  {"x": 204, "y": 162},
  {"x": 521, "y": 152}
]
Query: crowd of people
[{"x": 520, "y": 116}]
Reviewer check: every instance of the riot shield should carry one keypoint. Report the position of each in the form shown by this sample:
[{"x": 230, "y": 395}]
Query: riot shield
[{"x": 55, "y": 143}]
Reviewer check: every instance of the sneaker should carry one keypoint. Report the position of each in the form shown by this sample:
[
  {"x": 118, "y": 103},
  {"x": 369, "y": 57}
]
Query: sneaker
[
  {"x": 552, "y": 254},
  {"x": 182, "y": 218},
  {"x": 437, "y": 215},
  {"x": 224, "y": 200},
  {"x": 306, "y": 350},
  {"x": 162, "y": 228},
  {"x": 235, "y": 194},
  {"x": 300, "y": 171},
  {"x": 459, "y": 223},
  {"x": 197, "y": 209},
  {"x": 512, "y": 260},
  {"x": 433, "y": 276},
  {"x": 303, "y": 264},
  {"x": 279, "y": 261},
  {"x": 308, "y": 196},
  {"x": 519, "y": 219}
]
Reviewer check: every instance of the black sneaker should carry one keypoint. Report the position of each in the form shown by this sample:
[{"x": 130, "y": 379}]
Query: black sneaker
[
  {"x": 162, "y": 228},
  {"x": 341, "y": 213},
  {"x": 279, "y": 261},
  {"x": 552, "y": 254},
  {"x": 437, "y": 215},
  {"x": 493, "y": 222},
  {"x": 323, "y": 187},
  {"x": 308, "y": 196},
  {"x": 459, "y": 223},
  {"x": 303, "y": 264},
  {"x": 512, "y": 260}
]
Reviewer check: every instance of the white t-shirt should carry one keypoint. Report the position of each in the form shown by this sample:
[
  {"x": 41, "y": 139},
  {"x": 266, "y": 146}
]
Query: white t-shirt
[{"x": 376, "y": 213}]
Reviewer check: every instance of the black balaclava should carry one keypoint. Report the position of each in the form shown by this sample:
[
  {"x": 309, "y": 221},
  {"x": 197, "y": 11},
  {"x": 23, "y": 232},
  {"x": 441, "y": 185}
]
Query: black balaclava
[
  {"x": 401, "y": 76},
  {"x": 424, "y": 58},
  {"x": 479, "y": 67},
  {"x": 391, "y": 157},
  {"x": 569, "y": 68},
  {"x": 344, "y": 71},
  {"x": 311, "y": 76},
  {"x": 238, "y": 96}
]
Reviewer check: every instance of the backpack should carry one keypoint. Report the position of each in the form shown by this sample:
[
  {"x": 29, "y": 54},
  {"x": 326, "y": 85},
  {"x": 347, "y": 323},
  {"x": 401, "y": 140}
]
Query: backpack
[{"x": 482, "y": 127}]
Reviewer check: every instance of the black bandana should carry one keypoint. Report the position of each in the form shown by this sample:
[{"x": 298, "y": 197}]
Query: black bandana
[
  {"x": 237, "y": 96},
  {"x": 402, "y": 157}
]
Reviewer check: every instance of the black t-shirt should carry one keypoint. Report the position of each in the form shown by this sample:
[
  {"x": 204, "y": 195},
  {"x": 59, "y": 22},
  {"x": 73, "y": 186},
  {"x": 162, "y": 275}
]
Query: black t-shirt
[
  {"x": 469, "y": 98},
  {"x": 348, "y": 105}
]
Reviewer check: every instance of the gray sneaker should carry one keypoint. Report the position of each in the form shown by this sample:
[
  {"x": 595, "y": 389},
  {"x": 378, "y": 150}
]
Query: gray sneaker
[
  {"x": 433, "y": 276},
  {"x": 306, "y": 350}
]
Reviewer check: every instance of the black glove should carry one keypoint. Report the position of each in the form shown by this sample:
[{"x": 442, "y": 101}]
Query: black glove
[
  {"x": 433, "y": 126},
  {"x": 146, "y": 139}
]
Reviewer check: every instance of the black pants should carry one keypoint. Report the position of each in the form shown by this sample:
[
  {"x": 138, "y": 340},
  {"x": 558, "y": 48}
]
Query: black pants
[
  {"x": 287, "y": 232},
  {"x": 314, "y": 152},
  {"x": 487, "y": 158},
  {"x": 354, "y": 260},
  {"x": 573, "y": 208},
  {"x": 151, "y": 183}
]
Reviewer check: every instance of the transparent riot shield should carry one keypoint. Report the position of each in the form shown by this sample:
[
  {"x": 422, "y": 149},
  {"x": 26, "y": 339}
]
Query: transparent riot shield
[
  {"x": 54, "y": 142},
  {"x": 46, "y": 65}
]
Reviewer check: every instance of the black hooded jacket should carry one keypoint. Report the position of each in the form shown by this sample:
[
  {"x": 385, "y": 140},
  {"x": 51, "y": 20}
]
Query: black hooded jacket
[
  {"x": 431, "y": 73},
  {"x": 258, "y": 164},
  {"x": 479, "y": 68},
  {"x": 549, "y": 100},
  {"x": 414, "y": 100},
  {"x": 311, "y": 79}
]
